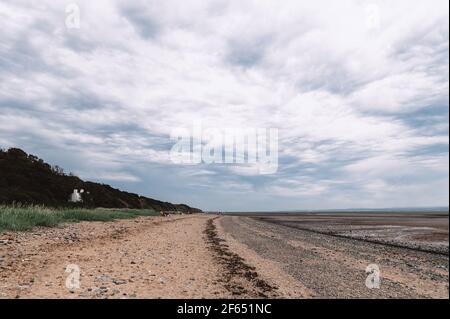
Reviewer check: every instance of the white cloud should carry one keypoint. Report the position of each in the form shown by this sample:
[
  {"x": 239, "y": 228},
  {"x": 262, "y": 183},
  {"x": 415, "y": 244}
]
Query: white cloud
[
  {"x": 343, "y": 92},
  {"x": 114, "y": 176}
]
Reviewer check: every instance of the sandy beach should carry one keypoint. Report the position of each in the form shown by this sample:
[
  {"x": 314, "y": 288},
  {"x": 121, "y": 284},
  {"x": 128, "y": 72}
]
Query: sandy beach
[{"x": 211, "y": 256}]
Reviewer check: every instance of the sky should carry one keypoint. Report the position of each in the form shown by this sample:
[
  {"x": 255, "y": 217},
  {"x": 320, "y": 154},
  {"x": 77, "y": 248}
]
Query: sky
[{"x": 358, "y": 90}]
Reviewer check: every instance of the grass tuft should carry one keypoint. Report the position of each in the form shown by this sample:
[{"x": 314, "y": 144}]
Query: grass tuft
[{"x": 20, "y": 218}]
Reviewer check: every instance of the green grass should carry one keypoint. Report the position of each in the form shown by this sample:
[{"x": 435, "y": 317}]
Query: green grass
[{"x": 20, "y": 218}]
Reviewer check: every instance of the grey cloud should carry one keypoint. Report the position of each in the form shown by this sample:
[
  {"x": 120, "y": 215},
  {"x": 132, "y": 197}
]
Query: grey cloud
[
  {"x": 107, "y": 100},
  {"x": 21, "y": 57},
  {"x": 143, "y": 22},
  {"x": 432, "y": 120},
  {"x": 248, "y": 52}
]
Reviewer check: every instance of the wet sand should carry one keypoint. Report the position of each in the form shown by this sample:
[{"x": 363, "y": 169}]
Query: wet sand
[
  {"x": 425, "y": 231},
  {"x": 328, "y": 257}
]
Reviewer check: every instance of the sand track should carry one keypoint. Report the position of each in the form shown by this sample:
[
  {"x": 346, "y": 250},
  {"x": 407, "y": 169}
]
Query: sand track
[{"x": 149, "y": 257}]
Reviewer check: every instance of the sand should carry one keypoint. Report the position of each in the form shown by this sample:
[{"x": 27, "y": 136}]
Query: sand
[{"x": 208, "y": 256}]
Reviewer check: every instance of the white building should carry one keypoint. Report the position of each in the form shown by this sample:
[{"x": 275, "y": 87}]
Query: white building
[{"x": 75, "y": 197}]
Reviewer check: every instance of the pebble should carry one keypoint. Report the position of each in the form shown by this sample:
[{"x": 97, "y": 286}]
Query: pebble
[
  {"x": 119, "y": 281},
  {"x": 103, "y": 277}
]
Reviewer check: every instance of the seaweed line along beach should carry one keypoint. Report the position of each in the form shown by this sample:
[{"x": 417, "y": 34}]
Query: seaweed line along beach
[{"x": 229, "y": 256}]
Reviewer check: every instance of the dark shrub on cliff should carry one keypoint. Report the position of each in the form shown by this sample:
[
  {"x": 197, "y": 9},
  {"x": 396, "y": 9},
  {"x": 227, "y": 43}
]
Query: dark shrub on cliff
[{"x": 27, "y": 179}]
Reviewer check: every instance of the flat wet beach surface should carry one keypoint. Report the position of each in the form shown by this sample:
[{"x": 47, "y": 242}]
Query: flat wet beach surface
[
  {"x": 329, "y": 253},
  {"x": 426, "y": 231}
]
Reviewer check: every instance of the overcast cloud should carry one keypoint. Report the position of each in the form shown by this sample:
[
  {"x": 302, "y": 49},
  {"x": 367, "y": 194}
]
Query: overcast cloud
[{"x": 357, "y": 89}]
